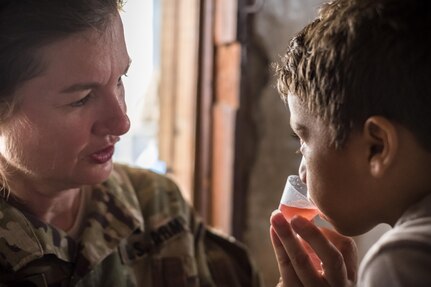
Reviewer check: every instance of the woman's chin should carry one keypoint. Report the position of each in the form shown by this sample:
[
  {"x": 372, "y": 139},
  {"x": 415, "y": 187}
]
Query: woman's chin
[{"x": 100, "y": 173}]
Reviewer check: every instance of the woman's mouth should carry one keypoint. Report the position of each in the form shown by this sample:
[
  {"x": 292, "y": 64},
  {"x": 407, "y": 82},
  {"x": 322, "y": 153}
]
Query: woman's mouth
[{"x": 103, "y": 155}]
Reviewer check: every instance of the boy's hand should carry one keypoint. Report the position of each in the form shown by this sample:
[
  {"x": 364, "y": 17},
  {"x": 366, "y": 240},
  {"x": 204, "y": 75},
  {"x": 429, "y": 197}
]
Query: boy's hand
[{"x": 337, "y": 253}]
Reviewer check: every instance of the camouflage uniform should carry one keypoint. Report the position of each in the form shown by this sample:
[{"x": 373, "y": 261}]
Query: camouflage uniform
[{"x": 138, "y": 231}]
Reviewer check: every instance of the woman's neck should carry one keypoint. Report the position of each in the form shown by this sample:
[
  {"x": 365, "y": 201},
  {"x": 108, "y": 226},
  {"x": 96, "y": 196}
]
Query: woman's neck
[{"x": 58, "y": 208}]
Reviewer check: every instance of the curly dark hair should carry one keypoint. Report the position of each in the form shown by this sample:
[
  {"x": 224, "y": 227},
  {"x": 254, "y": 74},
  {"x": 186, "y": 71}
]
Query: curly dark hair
[{"x": 361, "y": 58}]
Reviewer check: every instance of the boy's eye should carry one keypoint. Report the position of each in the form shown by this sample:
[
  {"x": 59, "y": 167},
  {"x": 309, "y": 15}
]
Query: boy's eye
[
  {"x": 81, "y": 102},
  {"x": 120, "y": 80},
  {"x": 296, "y": 137}
]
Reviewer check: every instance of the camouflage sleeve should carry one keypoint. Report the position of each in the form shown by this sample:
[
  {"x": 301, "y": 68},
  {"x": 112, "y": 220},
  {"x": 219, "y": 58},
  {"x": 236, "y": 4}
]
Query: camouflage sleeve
[
  {"x": 227, "y": 260},
  {"x": 208, "y": 258}
]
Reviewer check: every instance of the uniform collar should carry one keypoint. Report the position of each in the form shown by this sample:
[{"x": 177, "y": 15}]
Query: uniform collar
[
  {"x": 113, "y": 214},
  {"x": 24, "y": 238}
]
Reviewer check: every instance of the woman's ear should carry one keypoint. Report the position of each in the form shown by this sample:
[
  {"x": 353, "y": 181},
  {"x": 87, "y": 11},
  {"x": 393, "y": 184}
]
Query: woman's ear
[{"x": 382, "y": 139}]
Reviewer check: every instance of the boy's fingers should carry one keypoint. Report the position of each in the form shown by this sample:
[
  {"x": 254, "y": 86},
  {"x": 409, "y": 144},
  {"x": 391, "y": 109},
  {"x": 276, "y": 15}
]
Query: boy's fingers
[
  {"x": 298, "y": 257},
  {"x": 288, "y": 275},
  {"x": 348, "y": 249},
  {"x": 333, "y": 261}
]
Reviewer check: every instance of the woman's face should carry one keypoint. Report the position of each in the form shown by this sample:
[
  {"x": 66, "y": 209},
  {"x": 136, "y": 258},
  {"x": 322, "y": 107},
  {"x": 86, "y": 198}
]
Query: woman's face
[{"x": 70, "y": 116}]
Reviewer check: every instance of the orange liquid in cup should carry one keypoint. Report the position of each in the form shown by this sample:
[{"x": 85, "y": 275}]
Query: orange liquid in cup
[
  {"x": 289, "y": 212},
  {"x": 309, "y": 213}
]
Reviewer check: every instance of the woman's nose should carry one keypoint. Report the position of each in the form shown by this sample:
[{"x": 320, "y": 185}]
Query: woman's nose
[
  {"x": 119, "y": 125},
  {"x": 114, "y": 120},
  {"x": 303, "y": 170}
]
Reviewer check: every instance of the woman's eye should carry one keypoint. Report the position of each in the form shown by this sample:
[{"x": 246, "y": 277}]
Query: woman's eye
[{"x": 81, "y": 102}]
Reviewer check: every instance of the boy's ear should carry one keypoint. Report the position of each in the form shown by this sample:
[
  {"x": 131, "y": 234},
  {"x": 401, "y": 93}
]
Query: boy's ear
[{"x": 382, "y": 139}]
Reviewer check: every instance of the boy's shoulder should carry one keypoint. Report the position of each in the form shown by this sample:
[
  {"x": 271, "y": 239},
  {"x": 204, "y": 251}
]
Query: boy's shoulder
[
  {"x": 403, "y": 253},
  {"x": 412, "y": 230}
]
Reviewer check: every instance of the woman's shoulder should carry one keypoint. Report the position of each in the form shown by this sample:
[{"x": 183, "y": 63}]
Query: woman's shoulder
[
  {"x": 150, "y": 187},
  {"x": 142, "y": 179}
]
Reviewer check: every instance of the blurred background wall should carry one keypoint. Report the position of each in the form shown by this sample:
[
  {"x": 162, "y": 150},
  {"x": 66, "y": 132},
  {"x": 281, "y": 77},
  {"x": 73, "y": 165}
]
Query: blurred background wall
[{"x": 273, "y": 26}]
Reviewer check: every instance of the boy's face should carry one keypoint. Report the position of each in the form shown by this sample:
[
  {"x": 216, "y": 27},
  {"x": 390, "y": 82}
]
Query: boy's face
[{"x": 333, "y": 177}]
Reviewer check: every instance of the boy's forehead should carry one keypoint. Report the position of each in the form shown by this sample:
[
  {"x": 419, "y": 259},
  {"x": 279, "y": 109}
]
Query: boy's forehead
[
  {"x": 296, "y": 107},
  {"x": 302, "y": 120},
  {"x": 298, "y": 118}
]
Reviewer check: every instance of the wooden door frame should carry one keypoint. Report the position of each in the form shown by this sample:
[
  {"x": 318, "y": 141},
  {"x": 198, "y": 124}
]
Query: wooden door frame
[{"x": 201, "y": 99}]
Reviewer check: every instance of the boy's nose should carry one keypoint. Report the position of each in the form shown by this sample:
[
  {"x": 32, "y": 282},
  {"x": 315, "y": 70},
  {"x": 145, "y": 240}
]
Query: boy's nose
[{"x": 303, "y": 171}]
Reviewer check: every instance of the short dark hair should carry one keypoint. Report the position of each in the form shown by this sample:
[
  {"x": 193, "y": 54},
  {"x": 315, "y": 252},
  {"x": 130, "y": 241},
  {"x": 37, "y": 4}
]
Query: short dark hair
[
  {"x": 28, "y": 25},
  {"x": 361, "y": 58}
]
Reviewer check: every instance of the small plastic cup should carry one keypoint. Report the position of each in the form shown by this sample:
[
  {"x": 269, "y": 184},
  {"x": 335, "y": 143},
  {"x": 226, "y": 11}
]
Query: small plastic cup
[{"x": 294, "y": 200}]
